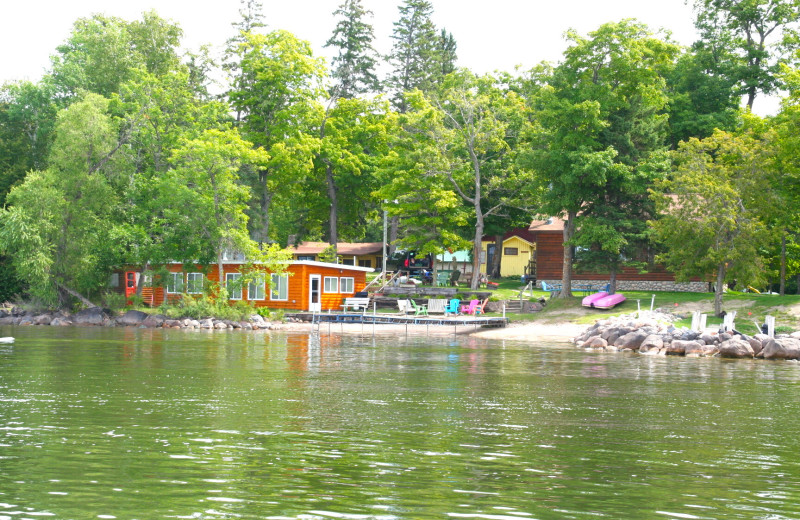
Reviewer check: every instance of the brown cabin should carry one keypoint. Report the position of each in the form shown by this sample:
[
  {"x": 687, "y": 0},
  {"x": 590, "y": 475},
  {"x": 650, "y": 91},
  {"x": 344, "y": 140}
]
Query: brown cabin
[
  {"x": 306, "y": 285},
  {"x": 549, "y": 237}
]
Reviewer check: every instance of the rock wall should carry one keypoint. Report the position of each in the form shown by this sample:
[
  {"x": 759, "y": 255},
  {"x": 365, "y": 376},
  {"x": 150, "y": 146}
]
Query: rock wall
[
  {"x": 654, "y": 334},
  {"x": 641, "y": 285}
]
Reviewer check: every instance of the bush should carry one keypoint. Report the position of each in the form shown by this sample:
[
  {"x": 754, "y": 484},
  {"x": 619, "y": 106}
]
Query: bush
[
  {"x": 207, "y": 307},
  {"x": 114, "y": 300}
]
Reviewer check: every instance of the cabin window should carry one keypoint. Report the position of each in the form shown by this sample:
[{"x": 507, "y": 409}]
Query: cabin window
[
  {"x": 174, "y": 283},
  {"x": 113, "y": 280},
  {"x": 348, "y": 261},
  {"x": 331, "y": 284},
  {"x": 365, "y": 263},
  {"x": 234, "y": 285},
  {"x": 279, "y": 287},
  {"x": 308, "y": 258},
  {"x": 194, "y": 283},
  {"x": 511, "y": 251},
  {"x": 347, "y": 285},
  {"x": 255, "y": 289}
]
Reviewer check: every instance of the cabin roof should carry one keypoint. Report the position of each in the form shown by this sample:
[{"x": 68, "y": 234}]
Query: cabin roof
[
  {"x": 551, "y": 224},
  {"x": 342, "y": 248}
]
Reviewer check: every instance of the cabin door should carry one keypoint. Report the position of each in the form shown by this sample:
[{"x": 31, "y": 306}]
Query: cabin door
[
  {"x": 315, "y": 293},
  {"x": 131, "y": 281}
]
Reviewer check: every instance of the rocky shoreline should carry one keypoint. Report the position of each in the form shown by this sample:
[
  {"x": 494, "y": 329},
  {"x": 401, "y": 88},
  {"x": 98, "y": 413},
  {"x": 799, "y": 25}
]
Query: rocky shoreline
[
  {"x": 97, "y": 316},
  {"x": 654, "y": 334}
]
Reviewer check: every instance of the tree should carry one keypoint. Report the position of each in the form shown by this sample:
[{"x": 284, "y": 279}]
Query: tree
[
  {"x": 58, "y": 230},
  {"x": 471, "y": 131},
  {"x": 277, "y": 95},
  {"x": 599, "y": 119},
  {"x": 415, "y": 59},
  {"x": 102, "y": 53},
  {"x": 353, "y": 68},
  {"x": 744, "y": 38},
  {"x": 710, "y": 222},
  {"x": 207, "y": 171}
]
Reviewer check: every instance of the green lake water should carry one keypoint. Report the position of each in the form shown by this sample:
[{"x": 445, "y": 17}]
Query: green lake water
[{"x": 151, "y": 424}]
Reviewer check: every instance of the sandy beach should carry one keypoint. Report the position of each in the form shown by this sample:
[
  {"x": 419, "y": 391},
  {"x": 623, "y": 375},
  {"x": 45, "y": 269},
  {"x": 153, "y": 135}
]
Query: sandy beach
[{"x": 561, "y": 332}]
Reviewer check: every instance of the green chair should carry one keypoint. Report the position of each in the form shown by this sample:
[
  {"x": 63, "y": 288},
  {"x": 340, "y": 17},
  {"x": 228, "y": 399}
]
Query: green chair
[{"x": 419, "y": 310}]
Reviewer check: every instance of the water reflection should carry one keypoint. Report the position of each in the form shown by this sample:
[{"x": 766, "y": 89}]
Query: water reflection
[{"x": 138, "y": 423}]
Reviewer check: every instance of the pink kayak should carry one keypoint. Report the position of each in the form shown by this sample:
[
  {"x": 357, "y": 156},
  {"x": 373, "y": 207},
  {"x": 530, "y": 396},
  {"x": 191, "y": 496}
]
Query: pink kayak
[{"x": 603, "y": 300}]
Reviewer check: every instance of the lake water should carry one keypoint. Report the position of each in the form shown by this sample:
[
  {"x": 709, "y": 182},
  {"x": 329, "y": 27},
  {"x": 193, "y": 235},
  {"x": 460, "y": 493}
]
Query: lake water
[{"x": 151, "y": 424}]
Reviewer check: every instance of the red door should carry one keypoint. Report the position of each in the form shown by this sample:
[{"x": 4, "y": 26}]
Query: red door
[{"x": 131, "y": 277}]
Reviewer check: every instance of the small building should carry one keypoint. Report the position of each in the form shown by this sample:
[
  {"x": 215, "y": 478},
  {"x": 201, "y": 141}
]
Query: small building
[
  {"x": 518, "y": 254},
  {"x": 306, "y": 285},
  {"x": 361, "y": 254},
  {"x": 455, "y": 261}
]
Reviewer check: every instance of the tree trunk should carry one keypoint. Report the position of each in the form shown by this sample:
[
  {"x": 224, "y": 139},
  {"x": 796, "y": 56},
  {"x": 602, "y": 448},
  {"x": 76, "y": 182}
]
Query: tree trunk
[
  {"x": 394, "y": 225},
  {"x": 75, "y": 294},
  {"x": 566, "y": 271},
  {"x": 333, "y": 216},
  {"x": 718, "y": 290},
  {"x": 783, "y": 264},
  {"x": 264, "y": 204},
  {"x": 497, "y": 258}
]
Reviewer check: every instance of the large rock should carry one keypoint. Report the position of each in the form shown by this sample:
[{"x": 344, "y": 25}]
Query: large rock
[
  {"x": 154, "y": 321},
  {"x": 42, "y": 319},
  {"x": 632, "y": 340},
  {"x": 736, "y": 348},
  {"x": 132, "y": 318},
  {"x": 680, "y": 347},
  {"x": 595, "y": 342},
  {"x": 9, "y": 320},
  {"x": 651, "y": 344},
  {"x": 756, "y": 344},
  {"x": 60, "y": 321},
  {"x": 90, "y": 316},
  {"x": 783, "y": 348}
]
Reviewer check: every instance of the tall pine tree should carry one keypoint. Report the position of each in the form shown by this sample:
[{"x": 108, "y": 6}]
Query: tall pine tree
[{"x": 353, "y": 68}]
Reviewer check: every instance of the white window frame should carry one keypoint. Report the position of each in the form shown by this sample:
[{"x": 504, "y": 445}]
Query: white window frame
[
  {"x": 176, "y": 282},
  {"x": 347, "y": 285},
  {"x": 280, "y": 284},
  {"x": 259, "y": 282},
  {"x": 191, "y": 283},
  {"x": 330, "y": 285},
  {"x": 236, "y": 293}
]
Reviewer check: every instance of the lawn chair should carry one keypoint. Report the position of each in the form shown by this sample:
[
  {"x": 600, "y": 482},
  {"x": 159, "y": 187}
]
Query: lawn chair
[
  {"x": 452, "y": 307},
  {"x": 551, "y": 288},
  {"x": 442, "y": 279},
  {"x": 404, "y": 306},
  {"x": 419, "y": 310},
  {"x": 469, "y": 308}
]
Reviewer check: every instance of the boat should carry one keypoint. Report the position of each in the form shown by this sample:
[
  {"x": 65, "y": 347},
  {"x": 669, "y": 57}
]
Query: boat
[
  {"x": 7, "y": 339},
  {"x": 603, "y": 300}
]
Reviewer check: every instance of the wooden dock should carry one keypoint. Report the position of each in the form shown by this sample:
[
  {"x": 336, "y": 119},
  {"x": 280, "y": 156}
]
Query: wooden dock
[{"x": 400, "y": 319}]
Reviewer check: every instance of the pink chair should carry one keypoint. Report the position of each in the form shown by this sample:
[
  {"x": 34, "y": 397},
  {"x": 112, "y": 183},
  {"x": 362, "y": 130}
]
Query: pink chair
[{"x": 470, "y": 307}]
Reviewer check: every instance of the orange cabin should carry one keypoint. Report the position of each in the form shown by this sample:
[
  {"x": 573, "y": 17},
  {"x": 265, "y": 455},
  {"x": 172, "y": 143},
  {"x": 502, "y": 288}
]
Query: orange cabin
[{"x": 306, "y": 285}]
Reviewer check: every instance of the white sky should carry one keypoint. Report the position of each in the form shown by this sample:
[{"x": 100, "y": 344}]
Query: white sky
[{"x": 491, "y": 35}]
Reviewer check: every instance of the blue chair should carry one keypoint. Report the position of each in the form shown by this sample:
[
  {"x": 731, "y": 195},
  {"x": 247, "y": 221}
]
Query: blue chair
[
  {"x": 550, "y": 288},
  {"x": 452, "y": 307}
]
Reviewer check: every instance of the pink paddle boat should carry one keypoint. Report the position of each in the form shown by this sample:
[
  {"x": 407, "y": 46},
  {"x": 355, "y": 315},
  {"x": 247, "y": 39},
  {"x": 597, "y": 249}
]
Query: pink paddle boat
[{"x": 603, "y": 300}]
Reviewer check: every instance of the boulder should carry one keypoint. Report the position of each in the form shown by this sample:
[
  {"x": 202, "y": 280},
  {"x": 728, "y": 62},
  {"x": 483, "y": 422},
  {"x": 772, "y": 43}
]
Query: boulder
[
  {"x": 154, "y": 321},
  {"x": 631, "y": 340},
  {"x": 206, "y": 324},
  {"x": 246, "y": 325},
  {"x": 782, "y": 348},
  {"x": 42, "y": 319},
  {"x": 756, "y": 344},
  {"x": 9, "y": 320},
  {"x": 60, "y": 321},
  {"x": 595, "y": 342},
  {"x": 26, "y": 320},
  {"x": 90, "y": 316},
  {"x": 736, "y": 348},
  {"x": 680, "y": 347},
  {"x": 709, "y": 339},
  {"x": 653, "y": 342},
  {"x": 132, "y": 318},
  {"x": 220, "y": 325}
]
